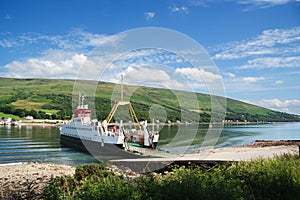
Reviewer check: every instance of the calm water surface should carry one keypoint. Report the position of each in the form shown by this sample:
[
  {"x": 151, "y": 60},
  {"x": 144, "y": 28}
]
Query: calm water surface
[
  {"x": 42, "y": 144},
  {"x": 37, "y": 143}
]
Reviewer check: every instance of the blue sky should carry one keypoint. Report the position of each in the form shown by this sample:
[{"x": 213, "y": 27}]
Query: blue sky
[{"x": 255, "y": 44}]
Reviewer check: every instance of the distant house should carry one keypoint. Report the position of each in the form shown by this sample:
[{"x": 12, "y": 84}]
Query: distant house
[
  {"x": 29, "y": 117},
  {"x": 7, "y": 120}
]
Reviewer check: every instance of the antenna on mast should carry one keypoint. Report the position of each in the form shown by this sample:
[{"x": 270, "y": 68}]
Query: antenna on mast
[{"x": 82, "y": 99}]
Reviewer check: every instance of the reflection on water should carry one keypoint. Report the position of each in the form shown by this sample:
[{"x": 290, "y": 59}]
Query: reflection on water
[{"x": 42, "y": 144}]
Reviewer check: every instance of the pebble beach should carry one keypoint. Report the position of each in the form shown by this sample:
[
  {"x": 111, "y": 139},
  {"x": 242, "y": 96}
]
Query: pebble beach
[{"x": 29, "y": 176}]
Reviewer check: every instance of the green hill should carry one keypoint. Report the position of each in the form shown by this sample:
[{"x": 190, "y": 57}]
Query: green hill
[{"x": 52, "y": 99}]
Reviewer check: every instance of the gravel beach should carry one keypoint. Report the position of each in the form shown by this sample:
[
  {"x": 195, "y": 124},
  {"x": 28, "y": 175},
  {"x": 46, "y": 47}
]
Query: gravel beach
[{"x": 29, "y": 177}]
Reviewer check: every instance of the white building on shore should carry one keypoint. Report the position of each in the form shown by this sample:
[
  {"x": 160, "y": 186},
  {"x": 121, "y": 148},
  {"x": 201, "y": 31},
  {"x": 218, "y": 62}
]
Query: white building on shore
[{"x": 29, "y": 117}]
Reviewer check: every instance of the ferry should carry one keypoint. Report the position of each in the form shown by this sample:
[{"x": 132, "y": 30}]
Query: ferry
[{"x": 105, "y": 138}]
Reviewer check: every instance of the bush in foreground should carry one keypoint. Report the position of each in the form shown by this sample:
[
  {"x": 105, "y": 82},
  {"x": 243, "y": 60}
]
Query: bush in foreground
[
  {"x": 276, "y": 178},
  {"x": 90, "y": 182}
]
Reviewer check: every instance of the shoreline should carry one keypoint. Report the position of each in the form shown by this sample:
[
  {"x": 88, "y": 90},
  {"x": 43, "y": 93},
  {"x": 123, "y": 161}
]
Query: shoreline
[
  {"x": 263, "y": 150},
  {"x": 16, "y": 177},
  {"x": 259, "y": 149},
  {"x": 47, "y": 122}
]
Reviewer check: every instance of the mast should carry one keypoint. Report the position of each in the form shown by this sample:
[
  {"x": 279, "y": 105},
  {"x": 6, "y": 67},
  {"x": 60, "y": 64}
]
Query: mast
[
  {"x": 78, "y": 99},
  {"x": 82, "y": 100}
]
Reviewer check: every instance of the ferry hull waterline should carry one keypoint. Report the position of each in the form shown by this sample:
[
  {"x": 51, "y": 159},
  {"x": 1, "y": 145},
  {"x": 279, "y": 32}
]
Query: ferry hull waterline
[
  {"x": 103, "y": 139},
  {"x": 103, "y": 152}
]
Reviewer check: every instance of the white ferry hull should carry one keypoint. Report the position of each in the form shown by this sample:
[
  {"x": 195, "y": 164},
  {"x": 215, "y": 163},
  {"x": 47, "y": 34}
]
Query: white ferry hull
[
  {"x": 104, "y": 153},
  {"x": 86, "y": 138}
]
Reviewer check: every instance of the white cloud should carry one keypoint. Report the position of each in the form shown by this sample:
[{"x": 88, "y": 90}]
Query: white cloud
[
  {"x": 86, "y": 39},
  {"x": 250, "y": 4},
  {"x": 161, "y": 76},
  {"x": 179, "y": 9},
  {"x": 239, "y": 84},
  {"x": 264, "y": 3},
  {"x": 199, "y": 75},
  {"x": 270, "y": 42},
  {"x": 140, "y": 53},
  {"x": 271, "y": 62},
  {"x": 149, "y": 15},
  {"x": 65, "y": 63},
  {"x": 205, "y": 79},
  {"x": 7, "y": 40},
  {"x": 76, "y": 39},
  {"x": 230, "y": 75},
  {"x": 79, "y": 59},
  {"x": 290, "y": 106},
  {"x": 278, "y": 82},
  {"x": 57, "y": 56},
  {"x": 46, "y": 67},
  {"x": 141, "y": 75},
  {"x": 151, "y": 76},
  {"x": 273, "y": 48},
  {"x": 151, "y": 55},
  {"x": 253, "y": 79},
  {"x": 7, "y": 17}
]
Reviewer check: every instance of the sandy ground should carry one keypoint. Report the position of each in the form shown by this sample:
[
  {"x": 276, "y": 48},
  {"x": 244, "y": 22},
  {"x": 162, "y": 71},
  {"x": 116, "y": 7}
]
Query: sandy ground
[
  {"x": 226, "y": 154},
  {"x": 246, "y": 153},
  {"x": 29, "y": 176}
]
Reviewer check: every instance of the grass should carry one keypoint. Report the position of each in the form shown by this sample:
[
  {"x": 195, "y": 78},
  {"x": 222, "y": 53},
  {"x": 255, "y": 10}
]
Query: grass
[
  {"x": 275, "y": 178},
  {"x": 25, "y": 104},
  {"x": 51, "y": 112},
  {"x": 34, "y": 104},
  {"x": 14, "y": 117}
]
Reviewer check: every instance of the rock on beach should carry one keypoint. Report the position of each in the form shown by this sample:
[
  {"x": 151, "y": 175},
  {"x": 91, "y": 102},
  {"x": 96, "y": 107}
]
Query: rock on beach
[{"x": 29, "y": 176}]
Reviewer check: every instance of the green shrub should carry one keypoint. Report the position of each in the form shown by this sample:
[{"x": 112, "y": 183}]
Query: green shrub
[
  {"x": 276, "y": 178},
  {"x": 85, "y": 171},
  {"x": 190, "y": 183},
  {"x": 60, "y": 188},
  {"x": 90, "y": 182},
  {"x": 109, "y": 188}
]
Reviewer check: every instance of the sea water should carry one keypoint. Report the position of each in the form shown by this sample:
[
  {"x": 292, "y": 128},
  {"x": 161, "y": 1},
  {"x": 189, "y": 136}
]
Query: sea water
[{"x": 42, "y": 143}]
